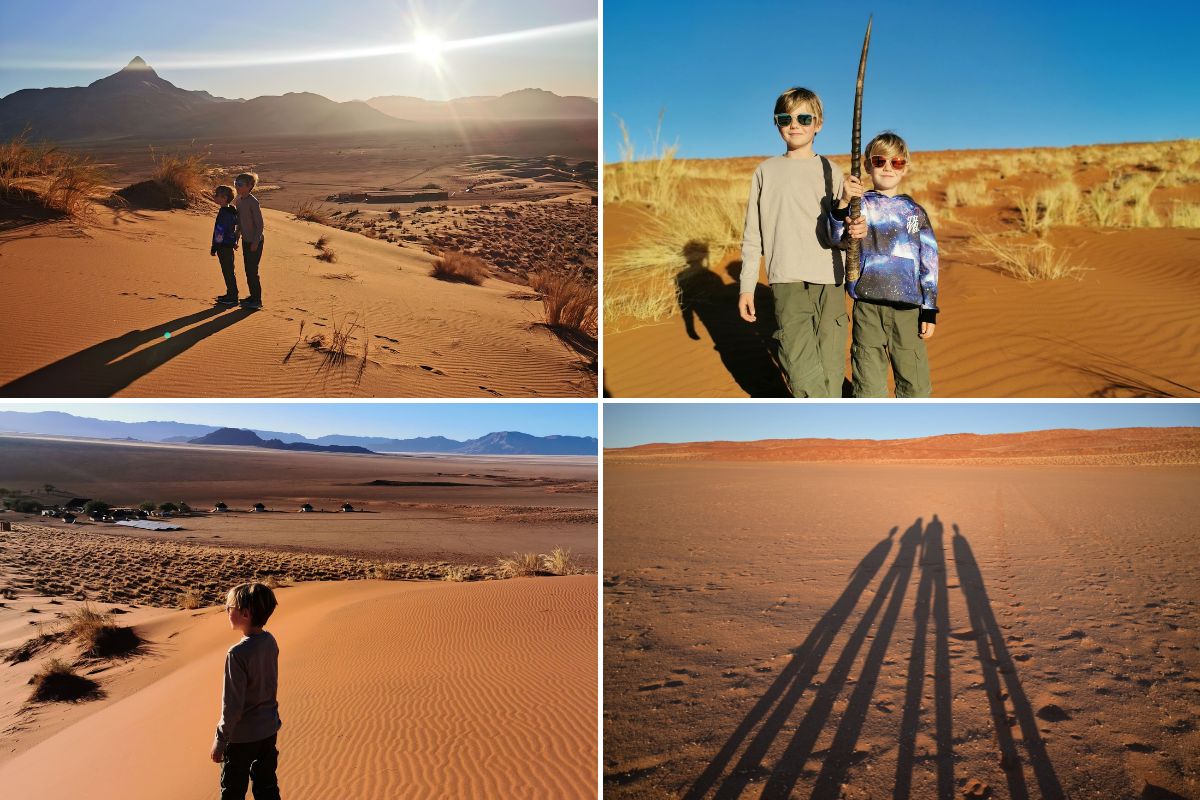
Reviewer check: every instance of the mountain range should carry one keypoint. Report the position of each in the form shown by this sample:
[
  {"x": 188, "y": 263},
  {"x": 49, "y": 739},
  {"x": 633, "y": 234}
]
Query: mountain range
[
  {"x": 137, "y": 103},
  {"x": 57, "y": 423}
]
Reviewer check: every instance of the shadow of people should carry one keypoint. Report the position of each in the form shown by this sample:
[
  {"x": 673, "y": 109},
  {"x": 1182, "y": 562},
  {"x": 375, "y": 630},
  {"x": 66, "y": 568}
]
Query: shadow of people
[
  {"x": 746, "y": 350},
  {"x": 778, "y": 702},
  {"x": 998, "y": 667},
  {"x": 108, "y": 367}
]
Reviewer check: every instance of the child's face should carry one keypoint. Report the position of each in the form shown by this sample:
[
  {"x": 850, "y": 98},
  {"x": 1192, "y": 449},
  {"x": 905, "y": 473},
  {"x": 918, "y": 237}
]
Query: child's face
[
  {"x": 243, "y": 189},
  {"x": 239, "y": 618},
  {"x": 220, "y": 197},
  {"x": 796, "y": 135},
  {"x": 888, "y": 175}
]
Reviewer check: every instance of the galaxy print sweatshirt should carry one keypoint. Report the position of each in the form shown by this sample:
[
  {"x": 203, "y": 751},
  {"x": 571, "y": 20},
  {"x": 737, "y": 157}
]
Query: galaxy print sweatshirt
[{"x": 899, "y": 255}]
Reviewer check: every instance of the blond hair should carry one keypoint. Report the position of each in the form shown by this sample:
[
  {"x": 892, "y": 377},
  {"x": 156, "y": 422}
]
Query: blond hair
[
  {"x": 887, "y": 144},
  {"x": 795, "y": 97},
  {"x": 257, "y": 598},
  {"x": 247, "y": 177}
]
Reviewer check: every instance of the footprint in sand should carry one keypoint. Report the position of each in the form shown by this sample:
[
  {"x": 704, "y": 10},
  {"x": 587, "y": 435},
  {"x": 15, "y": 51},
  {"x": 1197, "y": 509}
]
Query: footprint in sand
[
  {"x": 435, "y": 371},
  {"x": 491, "y": 391}
]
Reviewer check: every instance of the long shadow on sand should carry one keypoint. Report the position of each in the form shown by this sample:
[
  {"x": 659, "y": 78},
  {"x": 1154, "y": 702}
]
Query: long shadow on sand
[
  {"x": 746, "y": 350},
  {"x": 761, "y": 729},
  {"x": 108, "y": 367}
]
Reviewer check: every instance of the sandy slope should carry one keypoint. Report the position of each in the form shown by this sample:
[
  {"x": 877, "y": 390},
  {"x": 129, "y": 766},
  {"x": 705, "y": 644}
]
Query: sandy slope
[
  {"x": 902, "y": 631},
  {"x": 386, "y": 690},
  {"x": 96, "y": 302}
]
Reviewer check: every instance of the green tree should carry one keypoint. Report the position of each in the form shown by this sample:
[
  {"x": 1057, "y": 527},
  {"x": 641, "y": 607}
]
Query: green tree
[
  {"x": 149, "y": 505},
  {"x": 96, "y": 507},
  {"x": 168, "y": 507}
]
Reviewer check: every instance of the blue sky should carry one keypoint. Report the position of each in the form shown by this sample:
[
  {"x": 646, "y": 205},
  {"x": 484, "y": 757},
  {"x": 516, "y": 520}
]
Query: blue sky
[
  {"x": 40, "y": 41},
  {"x": 395, "y": 420},
  {"x": 943, "y": 75},
  {"x": 629, "y": 424}
]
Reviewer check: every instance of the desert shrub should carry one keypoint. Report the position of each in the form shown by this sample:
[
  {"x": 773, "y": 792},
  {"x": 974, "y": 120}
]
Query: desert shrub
[
  {"x": 1030, "y": 263},
  {"x": 569, "y": 302},
  {"x": 57, "y": 681},
  {"x": 1105, "y": 205},
  {"x": 560, "y": 562},
  {"x": 190, "y": 599},
  {"x": 60, "y": 182},
  {"x": 73, "y": 179},
  {"x": 95, "y": 507},
  {"x": 184, "y": 175},
  {"x": 311, "y": 211},
  {"x": 387, "y": 572},
  {"x": 97, "y": 636},
  {"x": 1185, "y": 215},
  {"x": 329, "y": 257},
  {"x": 458, "y": 573},
  {"x": 322, "y": 242},
  {"x": 964, "y": 193},
  {"x": 521, "y": 564},
  {"x": 459, "y": 267},
  {"x": 149, "y": 505},
  {"x": 168, "y": 508}
]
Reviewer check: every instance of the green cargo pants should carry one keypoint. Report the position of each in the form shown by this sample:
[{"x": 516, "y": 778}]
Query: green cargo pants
[
  {"x": 883, "y": 333},
  {"x": 812, "y": 336}
]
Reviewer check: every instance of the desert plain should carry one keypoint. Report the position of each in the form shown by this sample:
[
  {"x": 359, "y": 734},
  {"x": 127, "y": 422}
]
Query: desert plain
[
  {"x": 959, "y": 616},
  {"x": 413, "y": 663},
  {"x": 1052, "y": 268}
]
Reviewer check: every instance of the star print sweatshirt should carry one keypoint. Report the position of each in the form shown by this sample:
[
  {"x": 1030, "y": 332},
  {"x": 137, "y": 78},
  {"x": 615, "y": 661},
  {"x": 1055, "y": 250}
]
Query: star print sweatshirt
[{"x": 899, "y": 255}]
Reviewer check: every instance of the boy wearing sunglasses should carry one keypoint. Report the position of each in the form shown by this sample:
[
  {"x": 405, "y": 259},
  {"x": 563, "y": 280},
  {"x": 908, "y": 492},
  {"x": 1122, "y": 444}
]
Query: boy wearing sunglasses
[
  {"x": 787, "y": 223},
  {"x": 895, "y": 298}
]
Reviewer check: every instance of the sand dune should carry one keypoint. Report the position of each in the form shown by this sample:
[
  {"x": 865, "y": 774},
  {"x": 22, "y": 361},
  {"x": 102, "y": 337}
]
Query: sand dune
[
  {"x": 1130, "y": 446},
  {"x": 97, "y": 323},
  {"x": 386, "y": 690},
  {"x": 874, "y": 630}
]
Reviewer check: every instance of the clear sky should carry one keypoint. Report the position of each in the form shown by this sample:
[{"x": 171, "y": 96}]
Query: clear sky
[
  {"x": 629, "y": 424},
  {"x": 394, "y": 420},
  {"x": 219, "y": 47},
  {"x": 945, "y": 75}
]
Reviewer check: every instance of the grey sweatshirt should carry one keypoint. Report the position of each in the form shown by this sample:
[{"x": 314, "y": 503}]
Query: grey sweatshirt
[
  {"x": 250, "y": 219},
  {"x": 787, "y": 221},
  {"x": 249, "y": 711}
]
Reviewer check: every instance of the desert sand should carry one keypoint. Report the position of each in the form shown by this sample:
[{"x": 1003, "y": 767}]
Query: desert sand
[
  {"x": 466, "y": 510},
  {"x": 790, "y": 628},
  {"x": 1108, "y": 329},
  {"x": 386, "y": 690}
]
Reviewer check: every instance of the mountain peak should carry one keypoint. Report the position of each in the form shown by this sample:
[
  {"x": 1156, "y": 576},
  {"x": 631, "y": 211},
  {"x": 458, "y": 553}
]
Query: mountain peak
[{"x": 137, "y": 63}]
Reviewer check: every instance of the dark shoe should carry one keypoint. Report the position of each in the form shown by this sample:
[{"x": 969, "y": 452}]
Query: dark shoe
[
  {"x": 226, "y": 300},
  {"x": 250, "y": 302}
]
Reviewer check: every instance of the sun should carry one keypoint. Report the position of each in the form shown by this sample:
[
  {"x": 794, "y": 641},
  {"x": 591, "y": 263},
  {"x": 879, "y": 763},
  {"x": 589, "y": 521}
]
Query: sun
[{"x": 427, "y": 47}]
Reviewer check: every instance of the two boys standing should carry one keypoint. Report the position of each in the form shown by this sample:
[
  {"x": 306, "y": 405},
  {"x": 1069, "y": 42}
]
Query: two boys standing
[
  {"x": 797, "y": 220},
  {"x": 242, "y": 220}
]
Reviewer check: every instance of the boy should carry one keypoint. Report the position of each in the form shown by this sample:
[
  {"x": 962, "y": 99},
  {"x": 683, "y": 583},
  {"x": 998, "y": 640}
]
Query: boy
[
  {"x": 790, "y": 198},
  {"x": 225, "y": 241},
  {"x": 245, "y": 740},
  {"x": 895, "y": 299},
  {"x": 250, "y": 220}
]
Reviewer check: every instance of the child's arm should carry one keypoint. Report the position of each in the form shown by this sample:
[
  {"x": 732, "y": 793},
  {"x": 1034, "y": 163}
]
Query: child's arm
[
  {"x": 256, "y": 213},
  {"x": 752, "y": 251},
  {"x": 927, "y": 275},
  {"x": 233, "y": 696},
  {"x": 838, "y": 215}
]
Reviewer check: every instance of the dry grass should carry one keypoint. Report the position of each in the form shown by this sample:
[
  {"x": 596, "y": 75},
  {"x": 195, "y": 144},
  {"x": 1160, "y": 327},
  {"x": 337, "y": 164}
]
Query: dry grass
[
  {"x": 1025, "y": 262},
  {"x": 963, "y": 193},
  {"x": 560, "y": 562},
  {"x": 312, "y": 211},
  {"x": 190, "y": 599},
  {"x": 1185, "y": 215},
  {"x": 97, "y": 636},
  {"x": 185, "y": 175},
  {"x": 329, "y": 257},
  {"x": 57, "y": 681},
  {"x": 655, "y": 181},
  {"x": 335, "y": 348},
  {"x": 60, "y": 182},
  {"x": 570, "y": 304},
  {"x": 459, "y": 573},
  {"x": 519, "y": 565},
  {"x": 458, "y": 267}
]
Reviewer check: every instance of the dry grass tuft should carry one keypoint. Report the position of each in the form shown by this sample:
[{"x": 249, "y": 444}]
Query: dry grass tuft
[
  {"x": 60, "y": 182},
  {"x": 58, "y": 682},
  {"x": 190, "y": 599},
  {"x": 1029, "y": 263},
  {"x": 184, "y": 175},
  {"x": 520, "y": 565},
  {"x": 560, "y": 562},
  {"x": 335, "y": 348},
  {"x": 312, "y": 211},
  {"x": 964, "y": 193},
  {"x": 1185, "y": 215},
  {"x": 458, "y": 573},
  {"x": 570, "y": 304},
  {"x": 654, "y": 181},
  {"x": 329, "y": 257},
  {"x": 97, "y": 636},
  {"x": 459, "y": 267}
]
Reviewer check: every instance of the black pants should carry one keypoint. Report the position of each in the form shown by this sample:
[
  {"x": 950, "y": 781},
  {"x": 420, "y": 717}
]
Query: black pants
[
  {"x": 226, "y": 255},
  {"x": 252, "y": 259},
  {"x": 246, "y": 761}
]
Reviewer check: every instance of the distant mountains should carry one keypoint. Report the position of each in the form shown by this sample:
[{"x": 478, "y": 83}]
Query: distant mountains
[
  {"x": 522, "y": 104},
  {"x": 137, "y": 102},
  {"x": 246, "y": 438},
  {"x": 57, "y": 423}
]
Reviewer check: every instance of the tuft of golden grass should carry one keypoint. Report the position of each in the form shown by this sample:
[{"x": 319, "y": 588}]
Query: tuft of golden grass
[
  {"x": 458, "y": 573},
  {"x": 570, "y": 303},
  {"x": 60, "y": 182},
  {"x": 97, "y": 635},
  {"x": 56, "y": 681},
  {"x": 458, "y": 267},
  {"x": 966, "y": 193},
  {"x": 519, "y": 565},
  {"x": 329, "y": 257},
  {"x": 654, "y": 181},
  {"x": 1025, "y": 262},
  {"x": 190, "y": 599},
  {"x": 312, "y": 211},
  {"x": 184, "y": 174},
  {"x": 1185, "y": 215},
  {"x": 560, "y": 562}
]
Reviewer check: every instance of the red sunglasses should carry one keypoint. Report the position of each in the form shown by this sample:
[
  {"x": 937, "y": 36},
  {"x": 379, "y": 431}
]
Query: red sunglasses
[{"x": 897, "y": 162}]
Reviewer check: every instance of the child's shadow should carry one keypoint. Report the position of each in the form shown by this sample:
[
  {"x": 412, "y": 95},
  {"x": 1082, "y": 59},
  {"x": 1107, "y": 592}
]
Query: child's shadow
[
  {"x": 747, "y": 350},
  {"x": 104, "y": 369}
]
